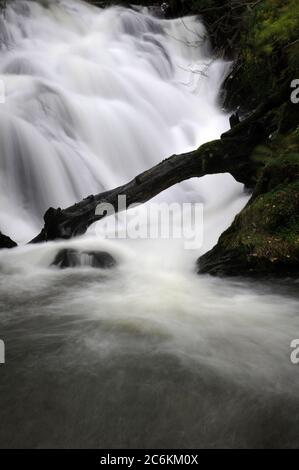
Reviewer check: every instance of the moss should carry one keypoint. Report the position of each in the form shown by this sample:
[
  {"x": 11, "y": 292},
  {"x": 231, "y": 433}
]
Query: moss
[
  {"x": 264, "y": 237},
  {"x": 269, "y": 226},
  {"x": 268, "y": 51}
]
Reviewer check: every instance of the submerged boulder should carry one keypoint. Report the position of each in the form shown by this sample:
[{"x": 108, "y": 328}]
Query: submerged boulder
[
  {"x": 70, "y": 258},
  {"x": 6, "y": 242}
]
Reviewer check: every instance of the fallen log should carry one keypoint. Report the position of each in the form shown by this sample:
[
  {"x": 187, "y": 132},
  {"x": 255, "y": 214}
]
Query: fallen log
[{"x": 229, "y": 154}]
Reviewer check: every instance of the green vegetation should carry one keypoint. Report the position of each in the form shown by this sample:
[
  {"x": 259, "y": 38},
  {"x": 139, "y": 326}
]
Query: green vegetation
[
  {"x": 268, "y": 48},
  {"x": 260, "y": 35},
  {"x": 264, "y": 237}
]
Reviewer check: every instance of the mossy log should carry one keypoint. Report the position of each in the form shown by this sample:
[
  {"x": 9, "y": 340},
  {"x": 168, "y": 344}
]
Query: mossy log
[{"x": 229, "y": 154}]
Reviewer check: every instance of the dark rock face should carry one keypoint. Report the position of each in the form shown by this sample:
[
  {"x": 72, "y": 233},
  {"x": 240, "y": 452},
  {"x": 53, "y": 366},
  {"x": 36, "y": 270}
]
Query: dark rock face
[
  {"x": 222, "y": 262},
  {"x": 6, "y": 242},
  {"x": 240, "y": 261},
  {"x": 70, "y": 258},
  {"x": 264, "y": 238}
]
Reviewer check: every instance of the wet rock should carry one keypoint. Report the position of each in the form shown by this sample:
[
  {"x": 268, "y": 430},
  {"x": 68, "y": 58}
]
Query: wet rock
[
  {"x": 6, "y": 242},
  {"x": 70, "y": 258},
  {"x": 263, "y": 240}
]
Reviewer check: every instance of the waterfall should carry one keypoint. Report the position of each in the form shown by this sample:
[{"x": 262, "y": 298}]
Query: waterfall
[
  {"x": 146, "y": 354},
  {"x": 95, "y": 97}
]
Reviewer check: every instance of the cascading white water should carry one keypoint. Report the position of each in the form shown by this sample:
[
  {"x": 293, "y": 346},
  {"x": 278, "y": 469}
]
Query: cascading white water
[
  {"x": 93, "y": 98},
  {"x": 148, "y": 354}
]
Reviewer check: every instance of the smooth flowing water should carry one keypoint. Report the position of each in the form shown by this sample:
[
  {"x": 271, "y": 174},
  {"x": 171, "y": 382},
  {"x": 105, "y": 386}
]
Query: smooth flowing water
[{"x": 147, "y": 354}]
